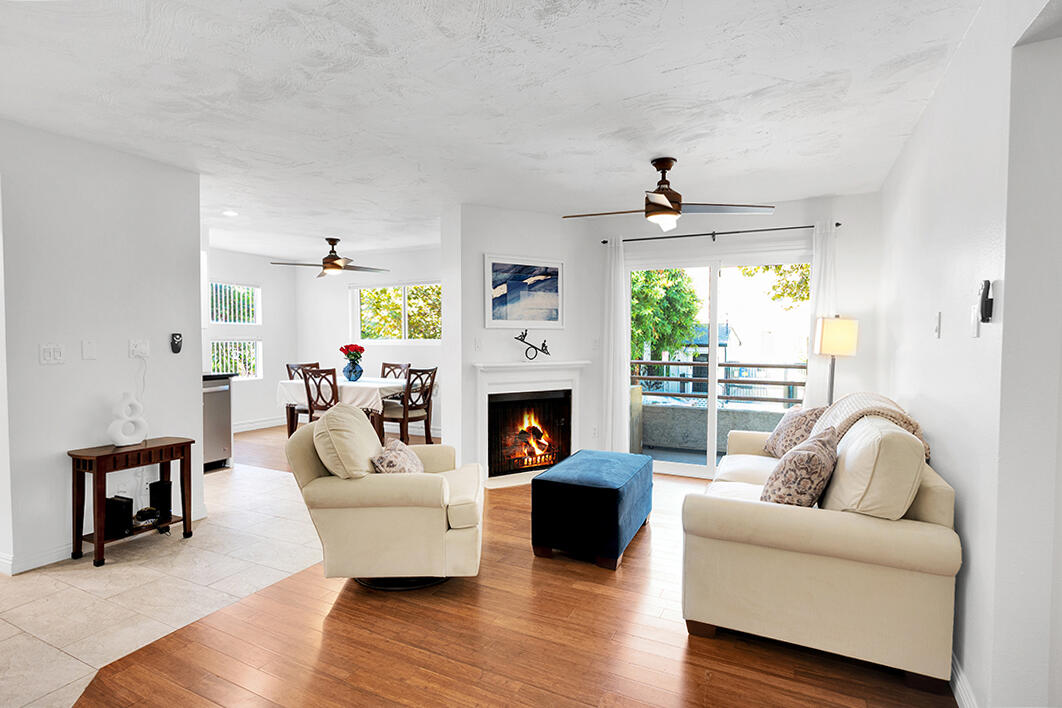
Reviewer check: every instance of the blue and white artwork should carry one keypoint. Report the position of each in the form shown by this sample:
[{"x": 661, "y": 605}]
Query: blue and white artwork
[{"x": 523, "y": 293}]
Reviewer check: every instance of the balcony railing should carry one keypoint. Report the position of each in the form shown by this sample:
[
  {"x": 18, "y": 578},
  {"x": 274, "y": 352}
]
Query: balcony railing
[{"x": 787, "y": 397}]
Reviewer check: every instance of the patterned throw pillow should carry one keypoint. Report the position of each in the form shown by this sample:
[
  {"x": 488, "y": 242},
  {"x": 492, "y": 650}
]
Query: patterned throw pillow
[
  {"x": 793, "y": 429},
  {"x": 397, "y": 458},
  {"x": 802, "y": 473}
]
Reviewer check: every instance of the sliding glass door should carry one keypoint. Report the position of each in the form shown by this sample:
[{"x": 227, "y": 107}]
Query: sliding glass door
[
  {"x": 714, "y": 347},
  {"x": 672, "y": 388}
]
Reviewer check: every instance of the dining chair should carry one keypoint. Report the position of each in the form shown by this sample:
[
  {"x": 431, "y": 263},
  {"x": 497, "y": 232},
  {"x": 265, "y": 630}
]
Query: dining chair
[
  {"x": 322, "y": 390},
  {"x": 294, "y": 410},
  {"x": 415, "y": 404},
  {"x": 389, "y": 370}
]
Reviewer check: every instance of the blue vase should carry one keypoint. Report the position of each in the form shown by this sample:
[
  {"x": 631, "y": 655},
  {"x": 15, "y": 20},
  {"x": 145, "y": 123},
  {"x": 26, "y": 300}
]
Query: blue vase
[{"x": 352, "y": 370}]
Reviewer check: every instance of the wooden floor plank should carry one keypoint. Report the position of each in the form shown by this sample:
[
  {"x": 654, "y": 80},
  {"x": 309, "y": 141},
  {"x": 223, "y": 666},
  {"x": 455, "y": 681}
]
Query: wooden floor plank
[{"x": 527, "y": 631}]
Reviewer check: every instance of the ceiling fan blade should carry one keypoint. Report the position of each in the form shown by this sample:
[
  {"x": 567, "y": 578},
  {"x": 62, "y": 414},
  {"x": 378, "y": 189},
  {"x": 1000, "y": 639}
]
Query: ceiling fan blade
[
  {"x": 312, "y": 265},
  {"x": 366, "y": 269},
  {"x": 696, "y": 208},
  {"x": 322, "y": 274},
  {"x": 343, "y": 261},
  {"x": 658, "y": 198},
  {"x": 604, "y": 213}
]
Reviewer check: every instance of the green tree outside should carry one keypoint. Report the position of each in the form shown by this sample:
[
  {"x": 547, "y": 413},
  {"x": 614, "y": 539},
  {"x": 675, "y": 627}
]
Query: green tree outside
[
  {"x": 381, "y": 313},
  {"x": 664, "y": 309},
  {"x": 792, "y": 284},
  {"x": 424, "y": 311}
]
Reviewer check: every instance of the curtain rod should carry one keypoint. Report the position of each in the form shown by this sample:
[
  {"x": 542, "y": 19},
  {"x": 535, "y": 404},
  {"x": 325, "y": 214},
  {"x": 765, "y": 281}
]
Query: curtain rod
[{"x": 713, "y": 234}]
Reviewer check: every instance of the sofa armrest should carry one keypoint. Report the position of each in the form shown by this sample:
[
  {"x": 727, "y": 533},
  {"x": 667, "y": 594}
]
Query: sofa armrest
[
  {"x": 436, "y": 458},
  {"x": 905, "y": 544},
  {"x": 746, "y": 442},
  {"x": 378, "y": 490}
]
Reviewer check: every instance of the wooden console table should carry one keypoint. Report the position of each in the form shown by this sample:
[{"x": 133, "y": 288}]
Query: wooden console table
[{"x": 99, "y": 461}]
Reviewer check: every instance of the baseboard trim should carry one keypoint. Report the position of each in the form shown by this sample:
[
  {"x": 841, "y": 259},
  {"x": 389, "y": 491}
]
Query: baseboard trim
[
  {"x": 7, "y": 562},
  {"x": 244, "y": 426},
  {"x": 41, "y": 558},
  {"x": 960, "y": 685}
]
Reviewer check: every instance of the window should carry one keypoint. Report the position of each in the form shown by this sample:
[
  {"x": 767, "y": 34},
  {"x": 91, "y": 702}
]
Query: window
[
  {"x": 240, "y": 356},
  {"x": 410, "y": 312},
  {"x": 235, "y": 304}
]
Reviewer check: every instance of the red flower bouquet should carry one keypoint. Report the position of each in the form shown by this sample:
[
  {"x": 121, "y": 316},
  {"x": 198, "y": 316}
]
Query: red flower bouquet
[{"x": 352, "y": 352}]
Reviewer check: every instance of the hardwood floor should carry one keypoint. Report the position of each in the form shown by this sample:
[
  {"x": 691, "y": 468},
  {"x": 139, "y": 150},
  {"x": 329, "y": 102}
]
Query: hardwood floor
[{"x": 526, "y": 631}]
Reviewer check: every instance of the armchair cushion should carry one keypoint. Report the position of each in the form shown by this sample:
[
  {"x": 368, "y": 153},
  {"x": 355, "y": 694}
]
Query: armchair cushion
[
  {"x": 466, "y": 496},
  {"x": 346, "y": 442},
  {"x": 436, "y": 458},
  {"x": 377, "y": 490}
]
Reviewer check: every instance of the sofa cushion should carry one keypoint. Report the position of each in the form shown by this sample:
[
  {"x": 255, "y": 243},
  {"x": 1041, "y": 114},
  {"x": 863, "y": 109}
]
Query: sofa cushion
[
  {"x": 803, "y": 472},
  {"x": 346, "y": 442},
  {"x": 735, "y": 490},
  {"x": 397, "y": 458},
  {"x": 879, "y": 468},
  {"x": 793, "y": 429},
  {"x": 466, "y": 496},
  {"x": 751, "y": 469}
]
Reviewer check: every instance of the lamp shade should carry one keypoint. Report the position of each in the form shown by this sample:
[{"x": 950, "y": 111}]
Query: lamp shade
[{"x": 836, "y": 336}]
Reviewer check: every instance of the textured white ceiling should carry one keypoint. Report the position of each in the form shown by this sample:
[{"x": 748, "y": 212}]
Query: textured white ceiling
[{"x": 364, "y": 120}]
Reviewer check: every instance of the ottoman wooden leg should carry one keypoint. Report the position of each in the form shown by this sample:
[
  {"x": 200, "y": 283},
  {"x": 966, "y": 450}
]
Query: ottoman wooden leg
[
  {"x": 610, "y": 563},
  {"x": 542, "y": 551},
  {"x": 700, "y": 629},
  {"x": 646, "y": 519}
]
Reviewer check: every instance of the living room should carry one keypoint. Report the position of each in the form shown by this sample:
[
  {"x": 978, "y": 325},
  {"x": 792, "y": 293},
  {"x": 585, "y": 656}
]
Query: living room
[{"x": 150, "y": 152}]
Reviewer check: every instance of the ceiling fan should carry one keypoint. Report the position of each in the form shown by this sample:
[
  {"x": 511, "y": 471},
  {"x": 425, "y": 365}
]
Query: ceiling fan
[
  {"x": 333, "y": 264},
  {"x": 664, "y": 206}
]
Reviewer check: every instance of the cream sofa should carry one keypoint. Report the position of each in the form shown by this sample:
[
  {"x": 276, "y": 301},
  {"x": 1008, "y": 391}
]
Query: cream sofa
[
  {"x": 393, "y": 525},
  {"x": 840, "y": 581}
]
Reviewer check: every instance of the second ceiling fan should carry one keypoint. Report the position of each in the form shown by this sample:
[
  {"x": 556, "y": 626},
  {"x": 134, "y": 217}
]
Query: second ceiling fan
[{"x": 664, "y": 206}]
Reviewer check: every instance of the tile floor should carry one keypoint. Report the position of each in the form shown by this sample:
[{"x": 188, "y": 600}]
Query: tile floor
[{"x": 60, "y": 623}]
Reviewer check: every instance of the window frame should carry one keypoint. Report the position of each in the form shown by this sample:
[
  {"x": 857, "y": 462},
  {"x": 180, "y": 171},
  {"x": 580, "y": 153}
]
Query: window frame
[
  {"x": 256, "y": 289},
  {"x": 355, "y": 305}
]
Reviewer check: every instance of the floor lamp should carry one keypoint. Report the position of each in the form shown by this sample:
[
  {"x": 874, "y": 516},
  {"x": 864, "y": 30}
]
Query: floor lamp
[{"x": 834, "y": 337}]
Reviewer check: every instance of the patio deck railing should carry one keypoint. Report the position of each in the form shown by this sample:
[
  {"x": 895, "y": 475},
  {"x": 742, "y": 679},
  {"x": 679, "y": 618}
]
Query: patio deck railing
[{"x": 732, "y": 385}]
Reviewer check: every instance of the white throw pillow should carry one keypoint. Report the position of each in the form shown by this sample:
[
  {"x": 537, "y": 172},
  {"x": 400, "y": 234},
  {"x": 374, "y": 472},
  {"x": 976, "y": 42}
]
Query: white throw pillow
[
  {"x": 879, "y": 468},
  {"x": 346, "y": 442}
]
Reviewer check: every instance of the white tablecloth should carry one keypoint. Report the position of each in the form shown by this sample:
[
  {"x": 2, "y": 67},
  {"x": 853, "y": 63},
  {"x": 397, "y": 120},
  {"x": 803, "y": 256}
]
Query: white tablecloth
[{"x": 366, "y": 392}]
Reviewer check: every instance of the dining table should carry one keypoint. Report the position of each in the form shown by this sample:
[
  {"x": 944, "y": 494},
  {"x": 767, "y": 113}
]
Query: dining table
[{"x": 367, "y": 393}]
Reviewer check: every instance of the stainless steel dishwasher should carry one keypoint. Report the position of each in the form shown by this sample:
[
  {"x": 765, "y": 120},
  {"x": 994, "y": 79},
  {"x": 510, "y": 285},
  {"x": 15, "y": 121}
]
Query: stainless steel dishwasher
[{"x": 217, "y": 420}]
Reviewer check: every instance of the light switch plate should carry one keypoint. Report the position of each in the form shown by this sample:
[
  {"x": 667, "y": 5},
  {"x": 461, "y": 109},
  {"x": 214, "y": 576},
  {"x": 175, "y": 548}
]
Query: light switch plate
[
  {"x": 51, "y": 354},
  {"x": 139, "y": 349},
  {"x": 975, "y": 321},
  {"x": 936, "y": 325},
  {"x": 88, "y": 349}
]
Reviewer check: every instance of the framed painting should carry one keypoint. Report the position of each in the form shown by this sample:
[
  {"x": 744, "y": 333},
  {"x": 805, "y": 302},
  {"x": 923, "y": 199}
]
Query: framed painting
[{"x": 524, "y": 293}]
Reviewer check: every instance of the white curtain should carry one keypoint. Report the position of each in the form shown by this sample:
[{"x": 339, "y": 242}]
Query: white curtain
[
  {"x": 616, "y": 339},
  {"x": 823, "y": 304}
]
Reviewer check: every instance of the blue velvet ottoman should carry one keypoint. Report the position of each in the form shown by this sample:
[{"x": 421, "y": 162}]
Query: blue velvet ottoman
[{"x": 591, "y": 505}]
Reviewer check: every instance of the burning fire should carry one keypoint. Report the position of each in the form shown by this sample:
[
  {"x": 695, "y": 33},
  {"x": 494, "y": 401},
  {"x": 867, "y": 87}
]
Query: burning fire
[{"x": 532, "y": 435}]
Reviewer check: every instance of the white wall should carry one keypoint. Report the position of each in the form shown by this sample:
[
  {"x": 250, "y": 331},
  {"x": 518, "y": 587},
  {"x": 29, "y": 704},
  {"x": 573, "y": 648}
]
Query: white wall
[
  {"x": 943, "y": 230},
  {"x": 98, "y": 245},
  {"x": 254, "y": 400},
  {"x": 1028, "y": 570},
  {"x": 6, "y": 531},
  {"x": 325, "y": 317}
]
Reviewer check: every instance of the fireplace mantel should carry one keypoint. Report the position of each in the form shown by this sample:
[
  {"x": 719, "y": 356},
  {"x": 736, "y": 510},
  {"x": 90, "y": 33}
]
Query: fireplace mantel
[
  {"x": 515, "y": 377},
  {"x": 501, "y": 367}
]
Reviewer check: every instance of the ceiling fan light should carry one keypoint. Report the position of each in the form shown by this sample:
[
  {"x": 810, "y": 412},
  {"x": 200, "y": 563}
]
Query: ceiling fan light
[{"x": 666, "y": 220}]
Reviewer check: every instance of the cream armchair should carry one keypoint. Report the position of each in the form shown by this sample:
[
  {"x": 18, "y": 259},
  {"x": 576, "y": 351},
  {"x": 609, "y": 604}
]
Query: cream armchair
[{"x": 393, "y": 525}]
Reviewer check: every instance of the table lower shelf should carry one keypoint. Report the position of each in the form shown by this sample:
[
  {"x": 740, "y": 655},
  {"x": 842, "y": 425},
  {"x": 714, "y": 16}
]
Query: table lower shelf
[{"x": 91, "y": 537}]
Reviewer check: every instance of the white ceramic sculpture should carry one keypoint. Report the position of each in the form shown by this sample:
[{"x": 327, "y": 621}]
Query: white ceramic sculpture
[{"x": 129, "y": 426}]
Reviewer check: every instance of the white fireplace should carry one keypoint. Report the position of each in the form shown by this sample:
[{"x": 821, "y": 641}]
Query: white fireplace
[{"x": 521, "y": 377}]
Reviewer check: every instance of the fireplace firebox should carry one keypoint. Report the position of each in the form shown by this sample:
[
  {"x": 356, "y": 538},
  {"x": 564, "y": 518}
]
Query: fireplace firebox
[{"x": 528, "y": 431}]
